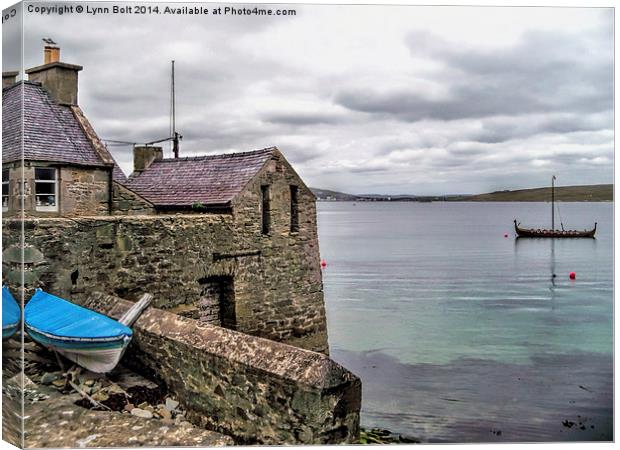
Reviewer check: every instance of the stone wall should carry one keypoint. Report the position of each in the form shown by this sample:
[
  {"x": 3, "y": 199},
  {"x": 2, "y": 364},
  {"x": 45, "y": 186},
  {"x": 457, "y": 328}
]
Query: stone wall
[
  {"x": 126, "y": 255},
  {"x": 255, "y": 390},
  {"x": 84, "y": 191},
  {"x": 293, "y": 308},
  {"x": 127, "y": 202},
  {"x": 175, "y": 257}
]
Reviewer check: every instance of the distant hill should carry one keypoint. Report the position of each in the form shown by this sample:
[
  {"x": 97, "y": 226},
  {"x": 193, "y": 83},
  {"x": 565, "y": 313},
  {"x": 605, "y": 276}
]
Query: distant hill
[
  {"x": 587, "y": 193},
  {"x": 329, "y": 195},
  {"x": 326, "y": 194}
]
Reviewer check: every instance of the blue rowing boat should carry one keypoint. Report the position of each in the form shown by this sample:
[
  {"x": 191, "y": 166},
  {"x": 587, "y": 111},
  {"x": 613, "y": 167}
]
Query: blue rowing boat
[
  {"x": 90, "y": 339},
  {"x": 11, "y": 314}
]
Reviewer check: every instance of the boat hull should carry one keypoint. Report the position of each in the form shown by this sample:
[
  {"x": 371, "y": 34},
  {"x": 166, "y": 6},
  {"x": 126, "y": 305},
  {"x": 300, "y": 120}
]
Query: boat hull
[
  {"x": 98, "y": 361},
  {"x": 9, "y": 330},
  {"x": 11, "y": 314},
  {"x": 85, "y": 337},
  {"x": 541, "y": 233}
]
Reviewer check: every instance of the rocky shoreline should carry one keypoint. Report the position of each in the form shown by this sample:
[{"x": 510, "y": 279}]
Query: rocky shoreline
[{"x": 121, "y": 409}]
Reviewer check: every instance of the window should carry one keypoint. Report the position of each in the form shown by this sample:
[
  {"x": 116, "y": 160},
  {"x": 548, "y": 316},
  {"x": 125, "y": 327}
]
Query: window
[
  {"x": 5, "y": 189},
  {"x": 45, "y": 189},
  {"x": 265, "y": 209},
  {"x": 294, "y": 209}
]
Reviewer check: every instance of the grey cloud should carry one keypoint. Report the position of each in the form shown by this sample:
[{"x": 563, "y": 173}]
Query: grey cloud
[
  {"x": 296, "y": 118},
  {"x": 500, "y": 130},
  {"x": 376, "y": 133},
  {"x": 545, "y": 72},
  {"x": 299, "y": 154},
  {"x": 372, "y": 169}
]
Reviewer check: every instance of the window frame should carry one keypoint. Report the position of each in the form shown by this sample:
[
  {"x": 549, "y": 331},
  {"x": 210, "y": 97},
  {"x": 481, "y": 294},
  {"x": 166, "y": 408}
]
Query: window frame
[
  {"x": 46, "y": 208},
  {"x": 8, "y": 189},
  {"x": 6, "y": 183}
]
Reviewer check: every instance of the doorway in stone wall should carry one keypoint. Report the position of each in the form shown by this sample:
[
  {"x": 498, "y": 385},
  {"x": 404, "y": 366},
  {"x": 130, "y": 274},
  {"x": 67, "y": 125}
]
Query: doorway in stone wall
[{"x": 216, "y": 304}]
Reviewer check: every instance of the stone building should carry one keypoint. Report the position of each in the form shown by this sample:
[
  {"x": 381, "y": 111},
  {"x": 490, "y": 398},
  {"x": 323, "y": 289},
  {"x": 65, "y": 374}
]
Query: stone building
[
  {"x": 227, "y": 239},
  {"x": 53, "y": 163}
]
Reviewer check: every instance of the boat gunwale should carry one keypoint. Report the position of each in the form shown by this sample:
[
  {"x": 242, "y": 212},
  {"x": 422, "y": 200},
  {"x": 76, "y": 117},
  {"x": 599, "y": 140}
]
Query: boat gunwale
[
  {"x": 11, "y": 325},
  {"x": 120, "y": 337}
]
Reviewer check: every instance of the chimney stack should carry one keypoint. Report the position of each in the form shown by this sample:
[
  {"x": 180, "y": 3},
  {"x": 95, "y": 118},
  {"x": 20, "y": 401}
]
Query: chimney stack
[
  {"x": 60, "y": 79},
  {"x": 9, "y": 79},
  {"x": 144, "y": 155}
]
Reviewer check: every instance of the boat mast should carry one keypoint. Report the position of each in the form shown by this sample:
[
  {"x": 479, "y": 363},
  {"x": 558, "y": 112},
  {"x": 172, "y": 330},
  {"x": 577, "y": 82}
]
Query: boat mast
[{"x": 552, "y": 203}]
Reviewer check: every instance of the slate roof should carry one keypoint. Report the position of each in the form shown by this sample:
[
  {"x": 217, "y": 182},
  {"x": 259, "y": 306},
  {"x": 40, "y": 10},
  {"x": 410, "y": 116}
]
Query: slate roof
[
  {"x": 118, "y": 175},
  {"x": 51, "y": 132},
  {"x": 212, "y": 180}
]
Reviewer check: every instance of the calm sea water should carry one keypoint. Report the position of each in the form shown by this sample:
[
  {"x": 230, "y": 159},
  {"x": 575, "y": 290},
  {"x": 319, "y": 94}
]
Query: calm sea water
[{"x": 460, "y": 334}]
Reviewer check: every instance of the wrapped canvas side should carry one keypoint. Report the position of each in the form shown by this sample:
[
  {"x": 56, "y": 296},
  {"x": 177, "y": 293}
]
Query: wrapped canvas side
[{"x": 14, "y": 381}]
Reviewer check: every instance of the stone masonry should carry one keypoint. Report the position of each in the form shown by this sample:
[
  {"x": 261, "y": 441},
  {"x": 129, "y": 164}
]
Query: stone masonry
[
  {"x": 255, "y": 390},
  {"x": 289, "y": 261},
  {"x": 127, "y": 202},
  {"x": 181, "y": 259}
]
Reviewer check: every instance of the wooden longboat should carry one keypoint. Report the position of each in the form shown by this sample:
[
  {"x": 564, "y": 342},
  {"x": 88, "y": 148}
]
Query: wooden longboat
[
  {"x": 553, "y": 233},
  {"x": 531, "y": 232}
]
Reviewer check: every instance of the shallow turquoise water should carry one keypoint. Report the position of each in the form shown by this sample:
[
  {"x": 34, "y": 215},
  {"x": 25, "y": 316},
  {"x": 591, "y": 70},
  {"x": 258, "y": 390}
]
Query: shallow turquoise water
[{"x": 461, "y": 334}]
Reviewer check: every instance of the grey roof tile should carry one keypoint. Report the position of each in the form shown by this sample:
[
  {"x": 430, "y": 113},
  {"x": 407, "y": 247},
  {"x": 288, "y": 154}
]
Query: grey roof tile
[
  {"x": 210, "y": 180},
  {"x": 50, "y": 131}
]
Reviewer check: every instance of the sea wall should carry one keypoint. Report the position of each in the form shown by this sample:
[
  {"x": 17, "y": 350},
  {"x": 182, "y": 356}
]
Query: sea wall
[
  {"x": 198, "y": 265},
  {"x": 255, "y": 390}
]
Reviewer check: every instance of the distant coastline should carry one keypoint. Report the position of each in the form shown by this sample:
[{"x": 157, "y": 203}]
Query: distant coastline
[{"x": 584, "y": 193}]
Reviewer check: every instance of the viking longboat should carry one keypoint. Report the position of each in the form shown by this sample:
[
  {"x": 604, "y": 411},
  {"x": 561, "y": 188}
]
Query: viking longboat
[
  {"x": 531, "y": 232},
  {"x": 11, "y": 314},
  {"x": 553, "y": 233},
  {"x": 89, "y": 339}
]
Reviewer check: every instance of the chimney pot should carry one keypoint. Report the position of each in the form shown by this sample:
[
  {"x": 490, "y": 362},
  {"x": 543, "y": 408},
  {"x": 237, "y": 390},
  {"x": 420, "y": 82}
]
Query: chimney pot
[
  {"x": 144, "y": 155},
  {"x": 51, "y": 54},
  {"x": 9, "y": 78}
]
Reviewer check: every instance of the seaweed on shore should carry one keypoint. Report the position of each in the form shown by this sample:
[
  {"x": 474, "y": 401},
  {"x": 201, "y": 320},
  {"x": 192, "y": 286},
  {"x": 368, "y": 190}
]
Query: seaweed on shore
[{"x": 381, "y": 436}]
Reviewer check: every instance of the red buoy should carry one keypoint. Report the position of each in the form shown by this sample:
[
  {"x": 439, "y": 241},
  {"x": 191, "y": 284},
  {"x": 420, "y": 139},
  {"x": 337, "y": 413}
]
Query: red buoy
[
  {"x": 323, "y": 263},
  {"x": 572, "y": 275}
]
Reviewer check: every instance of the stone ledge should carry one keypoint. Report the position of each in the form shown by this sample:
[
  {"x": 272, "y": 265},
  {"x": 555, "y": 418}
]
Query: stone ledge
[
  {"x": 120, "y": 219},
  {"x": 276, "y": 358}
]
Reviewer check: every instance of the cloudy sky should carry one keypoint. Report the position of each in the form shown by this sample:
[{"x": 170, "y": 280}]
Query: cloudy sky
[{"x": 381, "y": 99}]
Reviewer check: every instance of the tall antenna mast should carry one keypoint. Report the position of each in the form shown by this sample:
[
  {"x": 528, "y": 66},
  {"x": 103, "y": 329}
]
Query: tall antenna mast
[{"x": 175, "y": 136}]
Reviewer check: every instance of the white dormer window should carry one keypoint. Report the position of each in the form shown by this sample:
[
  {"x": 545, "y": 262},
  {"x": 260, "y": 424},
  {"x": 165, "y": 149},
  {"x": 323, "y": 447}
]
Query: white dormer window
[
  {"x": 5, "y": 189},
  {"x": 46, "y": 189}
]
